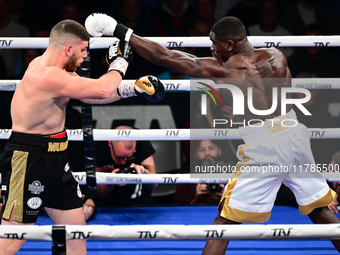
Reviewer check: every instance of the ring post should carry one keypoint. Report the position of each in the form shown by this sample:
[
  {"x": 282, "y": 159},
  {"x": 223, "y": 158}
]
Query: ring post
[
  {"x": 90, "y": 162},
  {"x": 59, "y": 240}
]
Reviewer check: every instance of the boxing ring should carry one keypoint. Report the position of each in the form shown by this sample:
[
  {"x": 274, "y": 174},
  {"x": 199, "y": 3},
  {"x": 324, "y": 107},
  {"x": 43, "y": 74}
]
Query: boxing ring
[{"x": 180, "y": 229}]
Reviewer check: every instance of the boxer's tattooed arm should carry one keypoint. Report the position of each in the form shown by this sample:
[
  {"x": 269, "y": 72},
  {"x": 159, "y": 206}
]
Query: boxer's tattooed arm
[
  {"x": 264, "y": 68},
  {"x": 268, "y": 69}
]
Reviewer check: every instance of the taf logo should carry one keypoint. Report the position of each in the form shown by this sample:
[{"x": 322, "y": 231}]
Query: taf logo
[{"x": 204, "y": 97}]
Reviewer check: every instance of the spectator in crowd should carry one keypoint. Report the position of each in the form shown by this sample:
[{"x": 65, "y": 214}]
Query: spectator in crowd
[
  {"x": 21, "y": 65},
  {"x": 335, "y": 166},
  {"x": 17, "y": 8},
  {"x": 116, "y": 157},
  {"x": 321, "y": 62},
  {"x": 143, "y": 22},
  {"x": 39, "y": 13},
  {"x": 224, "y": 112},
  {"x": 71, "y": 9},
  {"x": 3, "y": 73},
  {"x": 206, "y": 152},
  {"x": 223, "y": 7},
  {"x": 43, "y": 31},
  {"x": 173, "y": 17},
  {"x": 205, "y": 9},
  {"x": 269, "y": 24},
  {"x": 320, "y": 118},
  {"x": 317, "y": 60},
  {"x": 299, "y": 14},
  {"x": 132, "y": 14},
  {"x": 199, "y": 27},
  {"x": 10, "y": 28},
  {"x": 246, "y": 11}
]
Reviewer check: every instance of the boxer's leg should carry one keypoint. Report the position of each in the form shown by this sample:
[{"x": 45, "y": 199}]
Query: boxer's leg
[{"x": 70, "y": 217}]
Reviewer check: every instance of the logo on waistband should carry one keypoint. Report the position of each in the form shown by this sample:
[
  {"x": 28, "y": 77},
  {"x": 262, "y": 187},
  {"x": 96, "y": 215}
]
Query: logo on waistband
[
  {"x": 36, "y": 187},
  {"x": 279, "y": 128},
  {"x": 57, "y": 146}
]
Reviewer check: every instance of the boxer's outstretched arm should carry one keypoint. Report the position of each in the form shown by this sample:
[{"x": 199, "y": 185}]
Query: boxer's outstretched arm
[
  {"x": 179, "y": 61},
  {"x": 98, "y": 24}
]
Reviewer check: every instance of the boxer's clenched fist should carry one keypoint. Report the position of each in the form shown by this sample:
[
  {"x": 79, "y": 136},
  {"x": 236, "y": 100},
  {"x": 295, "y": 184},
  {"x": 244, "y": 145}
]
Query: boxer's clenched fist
[
  {"x": 99, "y": 24},
  {"x": 149, "y": 86},
  {"x": 119, "y": 55}
]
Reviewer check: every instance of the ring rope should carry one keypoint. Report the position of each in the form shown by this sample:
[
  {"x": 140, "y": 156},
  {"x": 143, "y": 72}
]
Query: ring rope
[
  {"x": 110, "y": 178},
  {"x": 189, "y": 41},
  {"x": 174, "y": 134},
  {"x": 177, "y": 232},
  {"x": 189, "y": 85}
]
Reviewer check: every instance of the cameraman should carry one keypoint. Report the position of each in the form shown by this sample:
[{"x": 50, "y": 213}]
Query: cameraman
[
  {"x": 201, "y": 194},
  {"x": 134, "y": 157}
]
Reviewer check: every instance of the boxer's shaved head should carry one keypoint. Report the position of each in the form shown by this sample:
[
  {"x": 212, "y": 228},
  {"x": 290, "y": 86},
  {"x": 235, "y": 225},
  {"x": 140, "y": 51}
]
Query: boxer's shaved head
[
  {"x": 228, "y": 28},
  {"x": 66, "y": 30}
]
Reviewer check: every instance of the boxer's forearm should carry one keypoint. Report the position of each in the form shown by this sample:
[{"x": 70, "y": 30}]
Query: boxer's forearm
[{"x": 179, "y": 61}]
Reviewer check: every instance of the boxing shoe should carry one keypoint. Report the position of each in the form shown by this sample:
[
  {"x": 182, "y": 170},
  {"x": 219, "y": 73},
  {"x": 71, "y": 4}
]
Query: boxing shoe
[{"x": 99, "y": 24}]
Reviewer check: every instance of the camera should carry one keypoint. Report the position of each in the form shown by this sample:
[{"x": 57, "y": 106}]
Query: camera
[
  {"x": 128, "y": 170},
  {"x": 214, "y": 187}
]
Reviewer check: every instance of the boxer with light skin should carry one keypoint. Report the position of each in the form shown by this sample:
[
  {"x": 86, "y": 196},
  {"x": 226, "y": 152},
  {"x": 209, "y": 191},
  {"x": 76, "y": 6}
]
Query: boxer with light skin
[
  {"x": 235, "y": 58},
  {"x": 34, "y": 167}
]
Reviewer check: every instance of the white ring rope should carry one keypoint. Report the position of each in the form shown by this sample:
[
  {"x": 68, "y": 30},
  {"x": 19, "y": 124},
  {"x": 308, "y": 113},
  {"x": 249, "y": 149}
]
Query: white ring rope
[
  {"x": 110, "y": 178},
  {"x": 189, "y": 85},
  {"x": 38, "y": 233},
  {"x": 176, "y": 232},
  {"x": 204, "y": 232},
  {"x": 189, "y": 41},
  {"x": 174, "y": 134}
]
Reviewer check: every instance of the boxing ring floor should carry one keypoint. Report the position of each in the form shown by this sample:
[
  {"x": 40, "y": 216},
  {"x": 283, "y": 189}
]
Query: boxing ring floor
[{"x": 187, "y": 215}]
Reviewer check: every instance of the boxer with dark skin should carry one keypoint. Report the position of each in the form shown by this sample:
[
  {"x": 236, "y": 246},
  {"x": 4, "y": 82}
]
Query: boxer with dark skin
[{"x": 233, "y": 58}]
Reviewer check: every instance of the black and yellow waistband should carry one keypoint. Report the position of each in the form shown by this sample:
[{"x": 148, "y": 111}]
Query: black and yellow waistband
[{"x": 57, "y": 142}]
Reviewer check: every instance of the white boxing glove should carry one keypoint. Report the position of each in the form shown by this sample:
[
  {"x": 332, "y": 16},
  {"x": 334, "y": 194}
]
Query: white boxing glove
[{"x": 99, "y": 24}]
